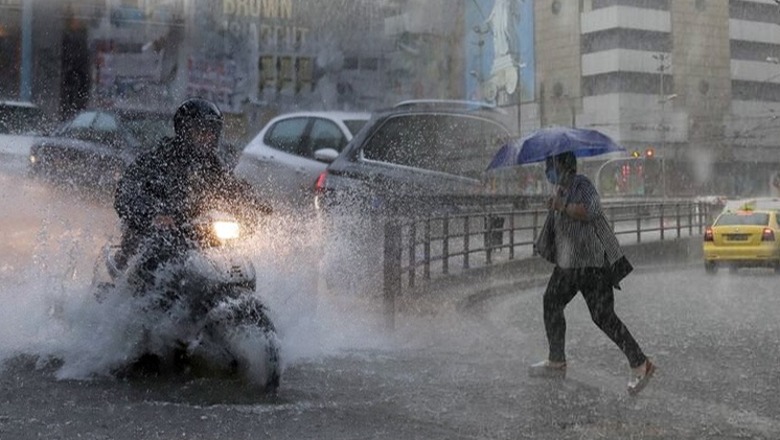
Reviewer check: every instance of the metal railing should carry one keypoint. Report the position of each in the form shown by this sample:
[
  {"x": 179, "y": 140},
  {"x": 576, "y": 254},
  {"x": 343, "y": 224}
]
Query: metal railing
[{"x": 424, "y": 249}]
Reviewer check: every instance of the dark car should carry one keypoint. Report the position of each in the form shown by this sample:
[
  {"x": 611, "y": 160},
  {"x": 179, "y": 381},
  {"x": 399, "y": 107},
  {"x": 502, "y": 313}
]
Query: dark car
[
  {"x": 20, "y": 125},
  {"x": 413, "y": 154},
  {"x": 94, "y": 147},
  {"x": 418, "y": 158}
]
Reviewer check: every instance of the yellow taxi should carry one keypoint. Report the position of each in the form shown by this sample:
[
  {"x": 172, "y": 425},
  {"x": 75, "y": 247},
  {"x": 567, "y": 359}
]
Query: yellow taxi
[{"x": 743, "y": 238}]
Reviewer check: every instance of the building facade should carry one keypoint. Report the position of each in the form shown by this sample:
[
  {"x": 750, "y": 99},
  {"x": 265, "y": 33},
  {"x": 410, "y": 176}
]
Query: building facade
[{"x": 694, "y": 82}]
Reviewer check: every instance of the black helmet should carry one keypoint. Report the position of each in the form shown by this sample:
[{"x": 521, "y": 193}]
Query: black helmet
[{"x": 197, "y": 112}]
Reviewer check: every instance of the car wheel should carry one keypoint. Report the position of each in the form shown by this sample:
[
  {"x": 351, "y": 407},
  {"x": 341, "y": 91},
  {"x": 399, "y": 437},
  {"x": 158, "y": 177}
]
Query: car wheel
[{"x": 710, "y": 268}]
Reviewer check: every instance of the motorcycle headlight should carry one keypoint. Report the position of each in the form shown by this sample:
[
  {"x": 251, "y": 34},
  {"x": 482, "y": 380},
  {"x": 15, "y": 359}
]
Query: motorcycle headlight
[{"x": 226, "y": 230}]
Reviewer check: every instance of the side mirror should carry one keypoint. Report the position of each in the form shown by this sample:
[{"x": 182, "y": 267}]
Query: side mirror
[{"x": 326, "y": 155}]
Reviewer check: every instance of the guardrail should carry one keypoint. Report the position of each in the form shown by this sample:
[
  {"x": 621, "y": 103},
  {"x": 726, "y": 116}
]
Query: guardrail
[{"x": 423, "y": 249}]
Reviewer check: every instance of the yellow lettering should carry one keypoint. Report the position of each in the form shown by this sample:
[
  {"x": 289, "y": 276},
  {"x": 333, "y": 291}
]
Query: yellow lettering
[
  {"x": 266, "y": 35},
  {"x": 271, "y": 8},
  {"x": 242, "y": 8},
  {"x": 304, "y": 33},
  {"x": 281, "y": 9},
  {"x": 228, "y": 7},
  {"x": 256, "y": 8},
  {"x": 285, "y": 9}
]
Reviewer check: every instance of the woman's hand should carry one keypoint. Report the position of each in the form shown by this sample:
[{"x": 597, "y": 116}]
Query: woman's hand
[{"x": 557, "y": 203}]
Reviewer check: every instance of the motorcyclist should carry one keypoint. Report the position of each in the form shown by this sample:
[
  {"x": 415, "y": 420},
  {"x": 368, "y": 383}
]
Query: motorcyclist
[{"x": 172, "y": 184}]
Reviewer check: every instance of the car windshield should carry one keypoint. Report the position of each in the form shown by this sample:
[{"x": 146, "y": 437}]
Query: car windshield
[
  {"x": 354, "y": 125},
  {"x": 455, "y": 144},
  {"x": 743, "y": 219}
]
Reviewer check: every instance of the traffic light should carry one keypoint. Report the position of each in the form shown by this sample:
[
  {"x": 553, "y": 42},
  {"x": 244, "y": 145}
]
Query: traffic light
[{"x": 635, "y": 154}]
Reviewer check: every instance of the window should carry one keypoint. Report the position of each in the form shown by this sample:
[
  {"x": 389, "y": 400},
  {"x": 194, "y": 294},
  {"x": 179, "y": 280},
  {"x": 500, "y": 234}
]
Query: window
[
  {"x": 325, "y": 134},
  {"x": 287, "y": 135},
  {"x": 458, "y": 145},
  {"x": 105, "y": 122},
  {"x": 83, "y": 120},
  {"x": 755, "y": 218},
  {"x": 355, "y": 125}
]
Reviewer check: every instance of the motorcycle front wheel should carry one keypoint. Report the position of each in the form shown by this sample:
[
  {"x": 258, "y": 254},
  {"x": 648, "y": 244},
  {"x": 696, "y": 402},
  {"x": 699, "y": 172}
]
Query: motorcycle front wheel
[{"x": 250, "y": 337}]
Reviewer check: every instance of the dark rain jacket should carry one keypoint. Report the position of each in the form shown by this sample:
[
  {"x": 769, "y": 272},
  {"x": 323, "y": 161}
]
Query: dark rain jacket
[{"x": 176, "y": 180}]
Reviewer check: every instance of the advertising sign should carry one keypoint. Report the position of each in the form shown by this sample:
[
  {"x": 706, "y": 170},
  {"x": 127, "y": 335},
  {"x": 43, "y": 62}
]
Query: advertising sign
[{"x": 500, "y": 62}]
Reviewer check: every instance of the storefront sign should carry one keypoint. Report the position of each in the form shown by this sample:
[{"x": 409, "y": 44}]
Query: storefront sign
[
  {"x": 282, "y": 9},
  {"x": 271, "y": 20}
]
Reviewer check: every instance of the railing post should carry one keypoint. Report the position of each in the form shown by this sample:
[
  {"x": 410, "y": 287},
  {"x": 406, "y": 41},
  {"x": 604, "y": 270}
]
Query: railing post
[
  {"x": 536, "y": 230},
  {"x": 466, "y": 239},
  {"x": 488, "y": 239},
  {"x": 412, "y": 251},
  {"x": 512, "y": 235},
  {"x": 445, "y": 245},
  {"x": 392, "y": 270},
  {"x": 677, "y": 210},
  {"x": 690, "y": 219},
  {"x": 427, "y": 250},
  {"x": 662, "y": 220},
  {"x": 638, "y": 224}
]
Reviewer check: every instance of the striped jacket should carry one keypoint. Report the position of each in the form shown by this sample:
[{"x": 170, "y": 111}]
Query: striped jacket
[{"x": 588, "y": 243}]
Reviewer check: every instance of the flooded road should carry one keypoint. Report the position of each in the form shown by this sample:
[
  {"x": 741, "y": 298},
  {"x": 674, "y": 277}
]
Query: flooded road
[{"x": 459, "y": 374}]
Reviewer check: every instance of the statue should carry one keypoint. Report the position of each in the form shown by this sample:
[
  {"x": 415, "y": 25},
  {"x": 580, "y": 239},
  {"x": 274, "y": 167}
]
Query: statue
[
  {"x": 502, "y": 23},
  {"x": 504, "y": 77}
]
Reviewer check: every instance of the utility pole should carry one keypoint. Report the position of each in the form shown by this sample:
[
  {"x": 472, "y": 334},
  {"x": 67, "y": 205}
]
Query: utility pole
[
  {"x": 664, "y": 65},
  {"x": 25, "y": 83}
]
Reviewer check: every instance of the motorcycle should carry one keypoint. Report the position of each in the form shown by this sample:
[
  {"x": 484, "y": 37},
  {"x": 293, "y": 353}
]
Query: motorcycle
[{"x": 197, "y": 296}]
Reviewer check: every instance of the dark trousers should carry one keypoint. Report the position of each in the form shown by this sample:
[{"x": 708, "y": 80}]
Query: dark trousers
[{"x": 596, "y": 288}]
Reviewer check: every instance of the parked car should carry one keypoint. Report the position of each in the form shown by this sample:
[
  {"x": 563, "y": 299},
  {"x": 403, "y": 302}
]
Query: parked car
[
  {"x": 743, "y": 238},
  {"x": 21, "y": 123},
  {"x": 94, "y": 147},
  {"x": 285, "y": 158},
  {"x": 412, "y": 154}
]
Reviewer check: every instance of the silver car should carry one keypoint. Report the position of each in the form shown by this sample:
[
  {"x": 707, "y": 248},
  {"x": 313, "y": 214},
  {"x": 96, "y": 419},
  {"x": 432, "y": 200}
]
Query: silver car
[{"x": 284, "y": 160}]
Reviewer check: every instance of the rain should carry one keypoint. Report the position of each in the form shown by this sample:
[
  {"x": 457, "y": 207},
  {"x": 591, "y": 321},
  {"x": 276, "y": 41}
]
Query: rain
[{"x": 362, "y": 228}]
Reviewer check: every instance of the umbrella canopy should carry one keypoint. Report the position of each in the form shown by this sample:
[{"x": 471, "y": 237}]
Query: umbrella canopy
[{"x": 552, "y": 141}]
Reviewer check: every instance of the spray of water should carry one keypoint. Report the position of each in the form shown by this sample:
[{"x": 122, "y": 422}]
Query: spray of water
[{"x": 51, "y": 312}]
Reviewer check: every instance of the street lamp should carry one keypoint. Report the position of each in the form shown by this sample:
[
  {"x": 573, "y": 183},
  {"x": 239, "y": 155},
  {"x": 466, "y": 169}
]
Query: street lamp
[
  {"x": 663, "y": 65},
  {"x": 663, "y": 102}
]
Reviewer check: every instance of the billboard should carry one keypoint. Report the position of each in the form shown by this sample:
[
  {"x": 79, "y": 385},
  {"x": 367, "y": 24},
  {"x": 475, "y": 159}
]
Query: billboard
[{"x": 500, "y": 61}]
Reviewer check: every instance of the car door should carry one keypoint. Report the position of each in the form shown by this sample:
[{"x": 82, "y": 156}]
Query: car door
[
  {"x": 271, "y": 162},
  {"x": 323, "y": 133}
]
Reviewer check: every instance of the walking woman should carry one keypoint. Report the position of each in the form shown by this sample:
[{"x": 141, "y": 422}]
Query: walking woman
[{"x": 578, "y": 239}]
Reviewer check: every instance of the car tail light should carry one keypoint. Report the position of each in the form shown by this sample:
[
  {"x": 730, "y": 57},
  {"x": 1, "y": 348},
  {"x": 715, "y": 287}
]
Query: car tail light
[
  {"x": 319, "y": 185},
  {"x": 708, "y": 234},
  {"x": 768, "y": 235}
]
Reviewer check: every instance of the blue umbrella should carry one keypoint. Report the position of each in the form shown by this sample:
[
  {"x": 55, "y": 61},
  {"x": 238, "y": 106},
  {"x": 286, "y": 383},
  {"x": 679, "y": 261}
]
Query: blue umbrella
[{"x": 552, "y": 141}]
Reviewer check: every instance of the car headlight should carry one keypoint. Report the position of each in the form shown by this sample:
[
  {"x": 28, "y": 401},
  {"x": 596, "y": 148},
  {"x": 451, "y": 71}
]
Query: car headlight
[{"x": 226, "y": 230}]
